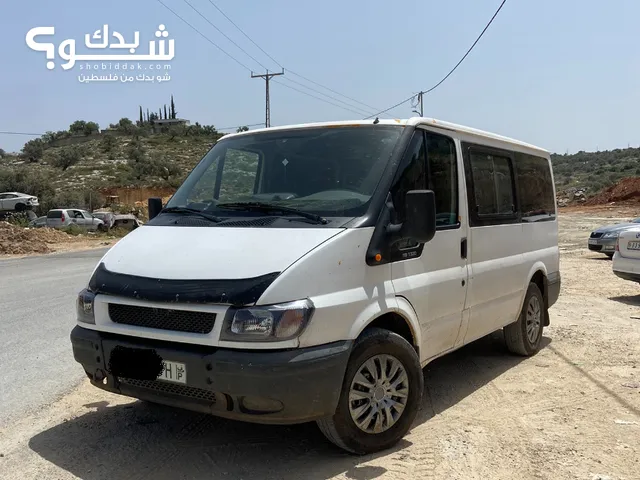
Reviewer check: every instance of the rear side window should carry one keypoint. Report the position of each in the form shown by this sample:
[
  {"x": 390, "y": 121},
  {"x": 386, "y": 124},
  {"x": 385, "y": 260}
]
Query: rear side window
[
  {"x": 492, "y": 184},
  {"x": 535, "y": 188},
  {"x": 54, "y": 214}
]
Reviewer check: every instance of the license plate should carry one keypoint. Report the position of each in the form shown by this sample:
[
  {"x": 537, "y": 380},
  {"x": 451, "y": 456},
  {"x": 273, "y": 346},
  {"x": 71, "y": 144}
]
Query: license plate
[
  {"x": 633, "y": 246},
  {"x": 593, "y": 241},
  {"x": 173, "y": 372}
]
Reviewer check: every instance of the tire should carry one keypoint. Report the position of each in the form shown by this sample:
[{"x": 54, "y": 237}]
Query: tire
[
  {"x": 20, "y": 207},
  {"x": 533, "y": 311},
  {"x": 341, "y": 429},
  {"x": 610, "y": 255},
  {"x": 102, "y": 228}
]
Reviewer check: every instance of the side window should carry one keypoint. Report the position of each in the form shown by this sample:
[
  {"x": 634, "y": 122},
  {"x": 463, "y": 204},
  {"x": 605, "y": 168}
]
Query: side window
[
  {"x": 535, "y": 188},
  {"x": 492, "y": 184},
  {"x": 443, "y": 178},
  {"x": 238, "y": 174}
]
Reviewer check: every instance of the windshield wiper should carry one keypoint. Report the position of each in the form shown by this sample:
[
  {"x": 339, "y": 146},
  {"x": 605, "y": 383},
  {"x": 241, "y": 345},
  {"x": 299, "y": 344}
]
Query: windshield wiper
[
  {"x": 267, "y": 207},
  {"x": 191, "y": 211}
]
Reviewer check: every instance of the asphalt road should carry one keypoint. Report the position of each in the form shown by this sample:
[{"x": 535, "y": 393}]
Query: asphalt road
[{"x": 37, "y": 313}]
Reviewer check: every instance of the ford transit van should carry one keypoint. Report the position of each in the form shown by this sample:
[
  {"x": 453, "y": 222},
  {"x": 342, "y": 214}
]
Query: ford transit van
[{"x": 309, "y": 273}]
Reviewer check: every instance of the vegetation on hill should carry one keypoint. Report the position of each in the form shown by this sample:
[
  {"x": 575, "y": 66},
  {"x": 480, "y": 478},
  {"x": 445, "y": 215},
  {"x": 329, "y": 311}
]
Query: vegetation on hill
[{"x": 593, "y": 171}]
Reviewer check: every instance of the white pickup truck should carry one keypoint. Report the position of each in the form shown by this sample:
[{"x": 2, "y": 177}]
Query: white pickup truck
[{"x": 16, "y": 201}]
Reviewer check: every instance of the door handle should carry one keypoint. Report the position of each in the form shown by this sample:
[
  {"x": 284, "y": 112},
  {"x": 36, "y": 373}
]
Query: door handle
[{"x": 463, "y": 248}]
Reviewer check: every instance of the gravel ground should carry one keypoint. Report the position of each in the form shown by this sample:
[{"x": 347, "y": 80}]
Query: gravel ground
[{"x": 570, "y": 412}]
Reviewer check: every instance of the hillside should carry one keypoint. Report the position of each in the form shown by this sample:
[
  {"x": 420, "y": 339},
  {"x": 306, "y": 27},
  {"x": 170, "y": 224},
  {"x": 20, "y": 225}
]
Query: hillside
[
  {"x": 593, "y": 171},
  {"x": 132, "y": 163}
]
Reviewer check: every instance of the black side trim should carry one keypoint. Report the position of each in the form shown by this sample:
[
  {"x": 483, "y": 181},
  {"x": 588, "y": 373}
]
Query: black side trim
[
  {"x": 553, "y": 288},
  {"x": 239, "y": 292}
]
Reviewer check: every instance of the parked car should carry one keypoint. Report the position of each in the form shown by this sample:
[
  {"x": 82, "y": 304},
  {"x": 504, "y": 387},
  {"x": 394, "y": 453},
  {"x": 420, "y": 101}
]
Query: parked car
[
  {"x": 107, "y": 217},
  {"x": 16, "y": 201},
  {"x": 603, "y": 239},
  {"x": 38, "y": 222},
  {"x": 126, "y": 222},
  {"x": 320, "y": 292},
  {"x": 626, "y": 260},
  {"x": 64, "y": 217}
]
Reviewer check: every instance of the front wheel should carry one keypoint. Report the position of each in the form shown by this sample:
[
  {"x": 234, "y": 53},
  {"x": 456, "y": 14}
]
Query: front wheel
[
  {"x": 380, "y": 396},
  {"x": 524, "y": 336}
]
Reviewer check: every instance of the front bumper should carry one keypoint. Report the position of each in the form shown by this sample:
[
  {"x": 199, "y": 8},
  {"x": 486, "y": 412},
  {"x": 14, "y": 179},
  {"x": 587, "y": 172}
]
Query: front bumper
[
  {"x": 603, "y": 245},
  {"x": 273, "y": 387}
]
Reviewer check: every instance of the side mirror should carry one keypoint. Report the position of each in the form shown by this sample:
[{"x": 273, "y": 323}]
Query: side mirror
[
  {"x": 155, "y": 205},
  {"x": 420, "y": 215}
]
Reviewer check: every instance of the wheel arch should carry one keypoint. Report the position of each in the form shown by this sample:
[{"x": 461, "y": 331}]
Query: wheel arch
[
  {"x": 538, "y": 275},
  {"x": 401, "y": 319}
]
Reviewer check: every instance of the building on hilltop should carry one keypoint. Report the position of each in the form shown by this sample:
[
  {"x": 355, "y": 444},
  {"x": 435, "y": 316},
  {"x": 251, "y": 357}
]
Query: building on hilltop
[{"x": 167, "y": 122}]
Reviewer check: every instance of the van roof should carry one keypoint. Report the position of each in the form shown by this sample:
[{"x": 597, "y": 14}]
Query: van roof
[{"x": 413, "y": 121}]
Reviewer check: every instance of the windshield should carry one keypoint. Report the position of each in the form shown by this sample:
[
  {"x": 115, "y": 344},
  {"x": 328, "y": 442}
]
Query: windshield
[{"x": 330, "y": 171}]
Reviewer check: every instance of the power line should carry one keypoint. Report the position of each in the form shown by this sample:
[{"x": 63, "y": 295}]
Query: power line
[
  {"x": 205, "y": 37},
  {"x": 238, "y": 126},
  {"x": 247, "y": 68},
  {"x": 326, "y": 95},
  {"x": 453, "y": 69},
  {"x": 242, "y": 31},
  {"x": 313, "y": 96},
  {"x": 22, "y": 133},
  {"x": 332, "y": 91},
  {"x": 291, "y": 71},
  {"x": 225, "y": 35}
]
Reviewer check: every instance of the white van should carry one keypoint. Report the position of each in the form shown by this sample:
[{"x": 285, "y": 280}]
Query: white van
[{"x": 309, "y": 273}]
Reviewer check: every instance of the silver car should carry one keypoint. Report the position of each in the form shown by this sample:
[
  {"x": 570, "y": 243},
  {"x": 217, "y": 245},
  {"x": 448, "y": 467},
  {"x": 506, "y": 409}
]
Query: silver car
[
  {"x": 65, "y": 217},
  {"x": 603, "y": 239}
]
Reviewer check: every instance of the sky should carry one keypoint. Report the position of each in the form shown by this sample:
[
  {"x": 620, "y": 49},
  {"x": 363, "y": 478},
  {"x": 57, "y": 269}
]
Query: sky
[{"x": 561, "y": 75}]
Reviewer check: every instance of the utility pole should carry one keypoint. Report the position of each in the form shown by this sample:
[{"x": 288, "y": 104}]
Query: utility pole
[
  {"x": 267, "y": 76},
  {"x": 419, "y": 97}
]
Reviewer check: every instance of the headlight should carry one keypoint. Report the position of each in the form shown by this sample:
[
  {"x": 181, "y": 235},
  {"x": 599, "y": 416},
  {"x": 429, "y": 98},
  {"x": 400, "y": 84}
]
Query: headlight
[
  {"x": 610, "y": 235},
  {"x": 84, "y": 307},
  {"x": 269, "y": 323}
]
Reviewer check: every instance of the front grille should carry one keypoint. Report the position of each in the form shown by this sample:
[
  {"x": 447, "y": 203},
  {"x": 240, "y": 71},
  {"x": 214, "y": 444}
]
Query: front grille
[
  {"x": 596, "y": 234},
  {"x": 162, "y": 318},
  {"x": 175, "y": 389}
]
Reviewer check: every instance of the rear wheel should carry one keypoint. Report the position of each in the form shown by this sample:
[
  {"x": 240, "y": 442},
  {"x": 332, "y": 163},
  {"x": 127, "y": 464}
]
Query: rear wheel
[
  {"x": 524, "y": 336},
  {"x": 380, "y": 396}
]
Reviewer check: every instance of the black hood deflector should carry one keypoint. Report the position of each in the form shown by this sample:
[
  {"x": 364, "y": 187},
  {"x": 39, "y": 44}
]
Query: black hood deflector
[{"x": 237, "y": 292}]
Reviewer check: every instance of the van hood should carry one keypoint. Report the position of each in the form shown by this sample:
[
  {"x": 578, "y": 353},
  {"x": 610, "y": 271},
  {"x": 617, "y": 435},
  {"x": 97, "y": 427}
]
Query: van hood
[{"x": 194, "y": 253}]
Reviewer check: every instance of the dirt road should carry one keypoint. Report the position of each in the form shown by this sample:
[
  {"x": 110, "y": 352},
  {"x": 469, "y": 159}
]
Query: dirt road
[{"x": 570, "y": 412}]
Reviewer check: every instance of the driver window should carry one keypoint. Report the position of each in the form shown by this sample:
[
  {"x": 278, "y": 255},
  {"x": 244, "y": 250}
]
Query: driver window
[
  {"x": 443, "y": 178},
  {"x": 432, "y": 166}
]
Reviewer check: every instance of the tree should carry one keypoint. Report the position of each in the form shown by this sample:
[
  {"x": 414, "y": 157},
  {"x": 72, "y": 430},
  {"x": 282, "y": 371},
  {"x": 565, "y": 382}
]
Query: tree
[
  {"x": 67, "y": 157},
  {"x": 148, "y": 117},
  {"x": 108, "y": 143},
  {"x": 165, "y": 112},
  {"x": 153, "y": 117},
  {"x": 125, "y": 125},
  {"x": 77, "y": 127},
  {"x": 2, "y": 153},
  {"x": 242, "y": 129},
  {"x": 173, "y": 108},
  {"x": 91, "y": 128},
  {"x": 160, "y": 113},
  {"x": 141, "y": 120},
  {"x": 33, "y": 150}
]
